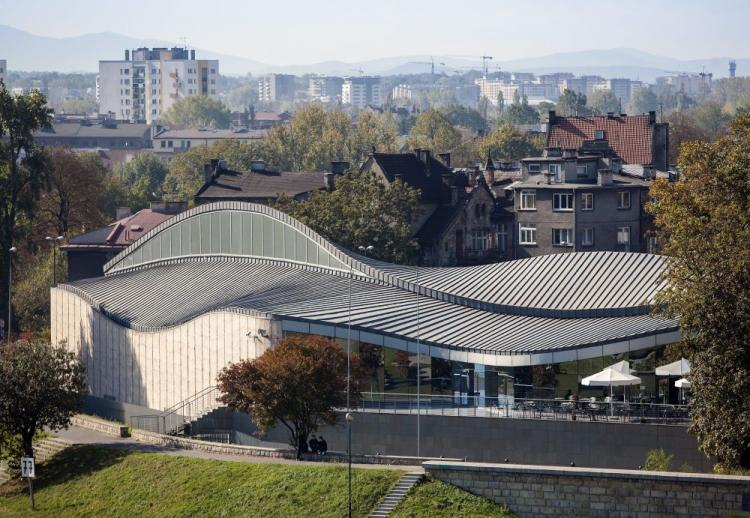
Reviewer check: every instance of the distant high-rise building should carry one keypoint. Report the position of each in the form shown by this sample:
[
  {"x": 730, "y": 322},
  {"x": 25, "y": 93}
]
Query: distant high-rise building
[
  {"x": 3, "y": 69},
  {"x": 144, "y": 85},
  {"x": 276, "y": 87},
  {"x": 732, "y": 68},
  {"x": 362, "y": 91},
  {"x": 324, "y": 87},
  {"x": 620, "y": 89},
  {"x": 691, "y": 84}
]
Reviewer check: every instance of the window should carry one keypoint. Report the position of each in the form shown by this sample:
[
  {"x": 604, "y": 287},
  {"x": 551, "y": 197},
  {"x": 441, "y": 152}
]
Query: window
[
  {"x": 479, "y": 240},
  {"x": 623, "y": 236},
  {"x": 213, "y": 70},
  {"x": 555, "y": 172},
  {"x": 213, "y": 92},
  {"x": 581, "y": 171},
  {"x": 163, "y": 143},
  {"x": 502, "y": 237},
  {"x": 587, "y": 239},
  {"x": 599, "y": 134},
  {"x": 170, "y": 143},
  {"x": 527, "y": 234},
  {"x": 562, "y": 237},
  {"x": 562, "y": 201},
  {"x": 533, "y": 168},
  {"x": 623, "y": 199},
  {"x": 587, "y": 201},
  {"x": 528, "y": 200}
]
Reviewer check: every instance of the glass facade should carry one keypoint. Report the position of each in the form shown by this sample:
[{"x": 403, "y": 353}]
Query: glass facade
[{"x": 388, "y": 373}]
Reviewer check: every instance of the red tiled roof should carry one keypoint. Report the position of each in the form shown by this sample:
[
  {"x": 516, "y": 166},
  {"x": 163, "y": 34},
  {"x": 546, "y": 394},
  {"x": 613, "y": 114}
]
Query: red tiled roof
[
  {"x": 630, "y": 137},
  {"x": 127, "y": 230}
]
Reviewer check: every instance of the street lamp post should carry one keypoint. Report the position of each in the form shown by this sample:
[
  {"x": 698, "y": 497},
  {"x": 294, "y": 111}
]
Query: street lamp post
[
  {"x": 11, "y": 251},
  {"x": 54, "y": 240},
  {"x": 419, "y": 366},
  {"x": 349, "y": 419}
]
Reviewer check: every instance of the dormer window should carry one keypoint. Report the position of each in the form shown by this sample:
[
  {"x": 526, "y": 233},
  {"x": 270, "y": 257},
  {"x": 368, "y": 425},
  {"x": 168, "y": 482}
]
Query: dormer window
[{"x": 599, "y": 134}]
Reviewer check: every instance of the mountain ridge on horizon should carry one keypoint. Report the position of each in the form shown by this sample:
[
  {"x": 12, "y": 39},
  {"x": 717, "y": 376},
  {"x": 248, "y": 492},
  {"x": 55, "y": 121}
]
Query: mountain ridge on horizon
[{"x": 82, "y": 54}]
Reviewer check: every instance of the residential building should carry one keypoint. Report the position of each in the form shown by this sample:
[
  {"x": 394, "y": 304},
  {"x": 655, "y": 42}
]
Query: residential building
[
  {"x": 456, "y": 223},
  {"x": 362, "y": 91},
  {"x": 276, "y": 87},
  {"x": 3, "y": 70},
  {"x": 89, "y": 252},
  {"x": 95, "y": 133},
  {"x": 580, "y": 85},
  {"x": 589, "y": 189},
  {"x": 143, "y": 86},
  {"x": 620, "y": 88},
  {"x": 169, "y": 140},
  {"x": 324, "y": 88},
  {"x": 693, "y": 85},
  {"x": 267, "y": 120},
  {"x": 534, "y": 92},
  {"x": 262, "y": 185}
]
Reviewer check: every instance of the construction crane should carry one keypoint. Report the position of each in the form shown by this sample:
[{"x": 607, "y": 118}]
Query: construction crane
[
  {"x": 485, "y": 59},
  {"x": 431, "y": 62}
]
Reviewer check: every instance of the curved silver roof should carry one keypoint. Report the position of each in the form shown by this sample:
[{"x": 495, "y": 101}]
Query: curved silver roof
[{"x": 287, "y": 271}]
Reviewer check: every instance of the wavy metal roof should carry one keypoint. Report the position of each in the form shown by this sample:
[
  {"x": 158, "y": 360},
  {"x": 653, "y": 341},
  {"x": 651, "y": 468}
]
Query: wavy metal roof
[{"x": 546, "y": 303}]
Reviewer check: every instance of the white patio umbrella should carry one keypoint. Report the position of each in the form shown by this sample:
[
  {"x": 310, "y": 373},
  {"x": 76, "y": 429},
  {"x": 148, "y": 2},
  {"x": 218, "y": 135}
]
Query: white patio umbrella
[
  {"x": 611, "y": 378},
  {"x": 622, "y": 366},
  {"x": 678, "y": 368}
]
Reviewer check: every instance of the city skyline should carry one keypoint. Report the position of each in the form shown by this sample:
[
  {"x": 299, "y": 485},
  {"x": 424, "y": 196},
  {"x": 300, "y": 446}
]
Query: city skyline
[{"x": 418, "y": 28}]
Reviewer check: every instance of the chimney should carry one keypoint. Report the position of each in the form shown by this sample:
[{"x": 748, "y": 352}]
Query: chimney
[
  {"x": 338, "y": 167},
  {"x": 426, "y": 156},
  {"x": 127, "y": 55},
  {"x": 652, "y": 117},
  {"x": 328, "y": 181},
  {"x": 552, "y": 117},
  {"x": 605, "y": 177},
  {"x": 610, "y": 115},
  {"x": 207, "y": 172},
  {"x": 446, "y": 158},
  {"x": 418, "y": 153},
  {"x": 122, "y": 213}
]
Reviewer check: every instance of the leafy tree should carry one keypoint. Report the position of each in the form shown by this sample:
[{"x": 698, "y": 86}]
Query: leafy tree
[
  {"x": 484, "y": 107},
  {"x": 299, "y": 383},
  {"x": 75, "y": 200},
  {"x": 602, "y": 102},
  {"x": 706, "y": 217},
  {"x": 434, "y": 131},
  {"x": 23, "y": 171},
  {"x": 41, "y": 386},
  {"x": 657, "y": 460},
  {"x": 710, "y": 117},
  {"x": 571, "y": 103},
  {"x": 31, "y": 293},
  {"x": 143, "y": 175},
  {"x": 643, "y": 101},
  {"x": 197, "y": 111},
  {"x": 682, "y": 128},
  {"x": 362, "y": 211},
  {"x": 520, "y": 112},
  {"x": 460, "y": 115},
  {"x": 510, "y": 143}
]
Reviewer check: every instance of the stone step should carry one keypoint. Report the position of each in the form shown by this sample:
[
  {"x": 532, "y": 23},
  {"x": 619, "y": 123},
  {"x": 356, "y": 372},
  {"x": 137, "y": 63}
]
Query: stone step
[{"x": 396, "y": 495}]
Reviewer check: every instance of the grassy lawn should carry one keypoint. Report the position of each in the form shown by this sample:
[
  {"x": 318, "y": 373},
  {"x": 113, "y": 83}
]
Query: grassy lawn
[
  {"x": 435, "y": 499},
  {"x": 93, "y": 481}
]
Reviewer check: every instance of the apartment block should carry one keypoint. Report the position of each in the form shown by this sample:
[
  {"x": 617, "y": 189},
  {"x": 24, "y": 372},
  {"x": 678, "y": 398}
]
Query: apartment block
[
  {"x": 324, "y": 88},
  {"x": 144, "y": 85},
  {"x": 620, "y": 88},
  {"x": 362, "y": 91},
  {"x": 276, "y": 87}
]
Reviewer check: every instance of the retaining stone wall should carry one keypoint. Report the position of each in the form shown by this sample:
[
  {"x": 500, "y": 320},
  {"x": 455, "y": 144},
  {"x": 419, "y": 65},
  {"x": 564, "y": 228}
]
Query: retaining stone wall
[{"x": 539, "y": 491}]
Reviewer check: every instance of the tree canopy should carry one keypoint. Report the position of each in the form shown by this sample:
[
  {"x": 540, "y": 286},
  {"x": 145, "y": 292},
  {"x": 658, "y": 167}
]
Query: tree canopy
[
  {"x": 571, "y": 103},
  {"x": 705, "y": 219},
  {"x": 643, "y": 101},
  {"x": 298, "y": 383},
  {"x": 434, "y": 131},
  {"x": 144, "y": 176},
  {"x": 509, "y": 143},
  {"x": 602, "y": 102},
  {"x": 23, "y": 171},
  {"x": 41, "y": 386},
  {"x": 519, "y": 112},
  {"x": 362, "y": 211},
  {"x": 197, "y": 111}
]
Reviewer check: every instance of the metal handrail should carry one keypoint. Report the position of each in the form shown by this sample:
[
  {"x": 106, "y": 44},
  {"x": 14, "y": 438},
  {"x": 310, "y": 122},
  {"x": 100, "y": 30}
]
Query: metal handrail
[{"x": 173, "y": 419}]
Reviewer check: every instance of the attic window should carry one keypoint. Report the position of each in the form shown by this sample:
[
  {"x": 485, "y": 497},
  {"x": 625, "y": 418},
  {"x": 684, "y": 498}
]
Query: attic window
[
  {"x": 136, "y": 228},
  {"x": 599, "y": 134}
]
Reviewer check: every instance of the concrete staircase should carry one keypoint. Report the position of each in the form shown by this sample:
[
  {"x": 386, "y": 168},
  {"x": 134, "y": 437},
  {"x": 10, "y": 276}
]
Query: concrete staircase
[
  {"x": 396, "y": 494},
  {"x": 43, "y": 451}
]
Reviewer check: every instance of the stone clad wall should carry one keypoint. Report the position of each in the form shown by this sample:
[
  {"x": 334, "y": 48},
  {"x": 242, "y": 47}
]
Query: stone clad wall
[{"x": 537, "y": 491}]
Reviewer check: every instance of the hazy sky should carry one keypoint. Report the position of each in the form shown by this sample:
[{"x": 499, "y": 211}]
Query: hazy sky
[{"x": 306, "y": 31}]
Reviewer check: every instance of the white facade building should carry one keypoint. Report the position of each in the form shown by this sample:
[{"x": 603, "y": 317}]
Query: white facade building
[
  {"x": 144, "y": 87},
  {"x": 362, "y": 91}
]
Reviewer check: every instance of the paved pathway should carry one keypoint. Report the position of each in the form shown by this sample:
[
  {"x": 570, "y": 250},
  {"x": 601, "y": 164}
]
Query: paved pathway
[{"x": 79, "y": 435}]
